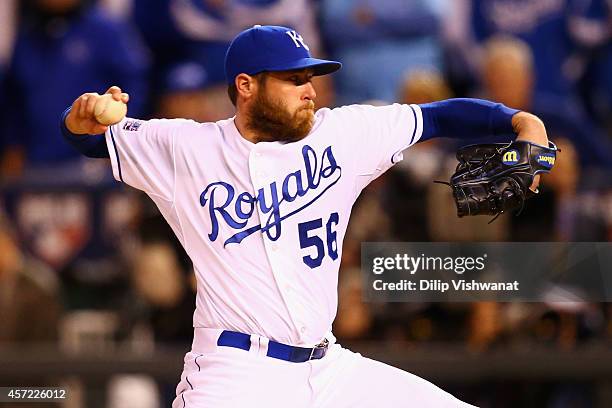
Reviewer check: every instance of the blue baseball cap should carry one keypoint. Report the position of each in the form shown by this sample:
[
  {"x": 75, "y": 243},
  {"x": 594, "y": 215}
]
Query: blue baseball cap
[
  {"x": 271, "y": 48},
  {"x": 185, "y": 76}
]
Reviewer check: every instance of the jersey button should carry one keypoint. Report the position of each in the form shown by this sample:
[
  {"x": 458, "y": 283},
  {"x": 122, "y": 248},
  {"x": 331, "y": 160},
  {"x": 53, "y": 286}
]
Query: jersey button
[
  {"x": 302, "y": 329},
  {"x": 274, "y": 247}
]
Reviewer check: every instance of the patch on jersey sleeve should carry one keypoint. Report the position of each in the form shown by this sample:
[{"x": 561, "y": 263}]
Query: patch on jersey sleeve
[{"x": 132, "y": 125}]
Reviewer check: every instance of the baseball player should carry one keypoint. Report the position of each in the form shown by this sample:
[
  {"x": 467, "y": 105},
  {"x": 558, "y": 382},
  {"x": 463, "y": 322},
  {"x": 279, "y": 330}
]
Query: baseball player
[{"x": 261, "y": 203}]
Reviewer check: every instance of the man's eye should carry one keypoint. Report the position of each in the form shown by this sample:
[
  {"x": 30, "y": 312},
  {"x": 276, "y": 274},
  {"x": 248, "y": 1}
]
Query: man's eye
[{"x": 299, "y": 80}]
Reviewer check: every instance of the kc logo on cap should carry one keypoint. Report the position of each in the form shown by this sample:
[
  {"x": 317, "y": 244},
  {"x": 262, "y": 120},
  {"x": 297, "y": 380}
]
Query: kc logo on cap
[
  {"x": 297, "y": 39},
  {"x": 272, "y": 48}
]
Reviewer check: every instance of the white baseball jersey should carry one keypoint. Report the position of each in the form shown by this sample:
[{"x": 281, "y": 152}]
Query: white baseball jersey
[{"x": 263, "y": 223}]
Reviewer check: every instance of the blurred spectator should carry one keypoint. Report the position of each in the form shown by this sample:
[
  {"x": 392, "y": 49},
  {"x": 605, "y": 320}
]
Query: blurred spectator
[
  {"x": 354, "y": 318},
  {"x": 564, "y": 183},
  {"x": 30, "y": 305},
  {"x": 188, "y": 93},
  {"x": 132, "y": 391},
  {"x": 461, "y": 53},
  {"x": 508, "y": 77},
  {"x": 598, "y": 86},
  {"x": 594, "y": 214},
  {"x": 539, "y": 24},
  {"x": 162, "y": 312},
  {"x": 80, "y": 222},
  {"x": 7, "y": 29},
  {"x": 418, "y": 323},
  {"x": 164, "y": 309},
  {"x": 7, "y": 38},
  {"x": 378, "y": 42},
  {"x": 153, "y": 19},
  {"x": 485, "y": 324},
  {"x": 423, "y": 86},
  {"x": 200, "y": 30},
  {"x": 429, "y": 208},
  {"x": 595, "y": 35},
  {"x": 562, "y": 325},
  {"x": 167, "y": 304},
  {"x": 7, "y": 35},
  {"x": 370, "y": 222},
  {"x": 200, "y": 20},
  {"x": 63, "y": 48},
  {"x": 209, "y": 25},
  {"x": 408, "y": 200}
]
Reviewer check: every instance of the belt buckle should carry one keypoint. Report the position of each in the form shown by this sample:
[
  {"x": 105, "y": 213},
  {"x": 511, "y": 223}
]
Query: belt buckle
[{"x": 322, "y": 345}]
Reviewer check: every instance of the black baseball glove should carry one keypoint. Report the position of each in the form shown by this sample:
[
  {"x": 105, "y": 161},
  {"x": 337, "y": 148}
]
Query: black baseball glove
[{"x": 494, "y": 178}]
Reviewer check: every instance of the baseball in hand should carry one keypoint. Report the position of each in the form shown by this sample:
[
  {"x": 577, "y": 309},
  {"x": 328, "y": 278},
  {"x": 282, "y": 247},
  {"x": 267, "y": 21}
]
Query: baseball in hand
[{"x": 109, "y": 111}]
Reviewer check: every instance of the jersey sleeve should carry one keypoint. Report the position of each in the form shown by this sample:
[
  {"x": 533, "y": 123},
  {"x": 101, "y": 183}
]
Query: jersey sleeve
[
  {"x": 377, "y": 135},
  {"x": 142, "y": 154}
]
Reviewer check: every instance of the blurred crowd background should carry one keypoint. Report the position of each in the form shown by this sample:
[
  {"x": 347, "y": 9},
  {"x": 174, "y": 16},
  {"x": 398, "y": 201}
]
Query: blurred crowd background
[{"x": 89, "y": 266}]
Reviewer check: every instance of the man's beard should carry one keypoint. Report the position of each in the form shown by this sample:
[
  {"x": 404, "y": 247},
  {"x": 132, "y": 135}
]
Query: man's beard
[{"x": 272, "y": 122}]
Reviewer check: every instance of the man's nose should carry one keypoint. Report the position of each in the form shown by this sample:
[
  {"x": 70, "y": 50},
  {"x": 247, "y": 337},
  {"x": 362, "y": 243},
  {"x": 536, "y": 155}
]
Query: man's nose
[{"x": 309, "y": 91}]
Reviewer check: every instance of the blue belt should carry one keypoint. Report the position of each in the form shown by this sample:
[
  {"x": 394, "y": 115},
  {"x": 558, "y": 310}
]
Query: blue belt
[{"x": 275, "y": 350}]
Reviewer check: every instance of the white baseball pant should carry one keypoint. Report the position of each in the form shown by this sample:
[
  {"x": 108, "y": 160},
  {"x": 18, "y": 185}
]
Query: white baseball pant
[{"x": 219, "y": 377}]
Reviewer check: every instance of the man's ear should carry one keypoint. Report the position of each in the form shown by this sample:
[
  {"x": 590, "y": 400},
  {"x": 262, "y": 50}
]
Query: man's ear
[{"x": 246, "y": 85}]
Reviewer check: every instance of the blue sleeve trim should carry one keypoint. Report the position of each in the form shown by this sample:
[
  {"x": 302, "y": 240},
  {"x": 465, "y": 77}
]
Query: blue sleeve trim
[
  {"x": 89, "y": 145},
  {"x": 414, "y": 115},
  {"x": 466, "y": 118},
  {"x": 116, "y": 153}
]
